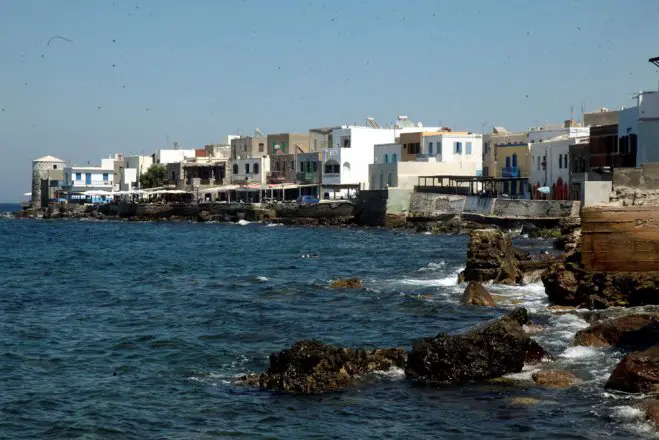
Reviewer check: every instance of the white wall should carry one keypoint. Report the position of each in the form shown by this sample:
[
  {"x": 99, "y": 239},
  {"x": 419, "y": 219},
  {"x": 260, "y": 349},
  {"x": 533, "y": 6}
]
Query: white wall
[
  {"x": 252, "y": 177},
  {"x": 544, "y": 134},
  {"x": 173, "y": 156},
  {"x": 404, "y": 175},
  {"x": 96, "y": 175},
  {"x": 128, "y": 179},
  {"x": 448, "y": 153},
  {"x": 557, "y": 154},
  {"x": 648, "y": 103},
  {"x": 386, "y": 153}
]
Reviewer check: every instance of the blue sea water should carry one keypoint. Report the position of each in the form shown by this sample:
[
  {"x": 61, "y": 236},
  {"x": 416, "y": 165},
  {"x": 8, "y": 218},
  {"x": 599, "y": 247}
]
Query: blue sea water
[{"x": 138, "y": 330}]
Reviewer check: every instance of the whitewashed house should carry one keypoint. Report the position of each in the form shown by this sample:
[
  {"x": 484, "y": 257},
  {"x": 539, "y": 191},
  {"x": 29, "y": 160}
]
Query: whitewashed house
[
  {"x": 250, "y": 170},
  {"x": 168, "y": 156}
]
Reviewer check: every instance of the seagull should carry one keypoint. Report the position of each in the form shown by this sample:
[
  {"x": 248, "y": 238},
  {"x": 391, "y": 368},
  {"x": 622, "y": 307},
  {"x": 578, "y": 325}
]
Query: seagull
[{"x": 58, "y": 37}]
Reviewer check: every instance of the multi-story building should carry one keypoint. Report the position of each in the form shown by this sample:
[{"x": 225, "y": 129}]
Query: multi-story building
[
  {"x": 166, "y": 156},
  {"x": 134, "y": 167},
  {"x": 89, "y": 183},
  {"x": 308, "y": 168},
  {"x": 287, "y": 143},
  {"x": 550, "y": 165},
  {"x": 250, "y": 170},
  {"x": 248, "y": 147}
]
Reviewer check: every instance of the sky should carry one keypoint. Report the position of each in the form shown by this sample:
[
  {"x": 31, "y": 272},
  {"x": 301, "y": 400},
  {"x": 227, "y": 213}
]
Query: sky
[{"x": 133, "y": 76}]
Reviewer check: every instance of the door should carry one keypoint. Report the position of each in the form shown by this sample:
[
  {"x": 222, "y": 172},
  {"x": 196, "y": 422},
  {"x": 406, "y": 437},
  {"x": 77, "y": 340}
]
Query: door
[{"x": 88, "y": 179}]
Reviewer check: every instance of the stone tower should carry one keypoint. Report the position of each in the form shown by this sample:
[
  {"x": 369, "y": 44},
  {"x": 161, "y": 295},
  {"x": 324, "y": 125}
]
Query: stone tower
[{"x": 40, "y": 171}]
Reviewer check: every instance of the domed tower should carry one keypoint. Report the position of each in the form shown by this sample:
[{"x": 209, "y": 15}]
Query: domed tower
[{"x": 41, "y": 169}]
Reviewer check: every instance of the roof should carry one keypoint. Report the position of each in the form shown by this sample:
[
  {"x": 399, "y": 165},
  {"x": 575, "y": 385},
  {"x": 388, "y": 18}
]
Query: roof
[{"x": 48, "y": 159}]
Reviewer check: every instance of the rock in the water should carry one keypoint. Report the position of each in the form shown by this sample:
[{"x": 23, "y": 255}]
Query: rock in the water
[
  {"x": 477, "y": 295},
  {"x": 248, "y": 380},
  {"x": 567, "y": 283},
  {"x": 536, "y": 353},
  {"x": 531, "y": 230},
  {"x": 554, "y": 379},
  {"x": 653, "y": 412},
  {"x": 638, "y": 372},
  {"x": 491, "y": 257},
  {"x": 640, "y": 331},
  {"x": 483, "y": 353},
  {"x": 311, "y": 367},
  {"x": 349, "y": 283},
  {"x": 524, "y": 401}
]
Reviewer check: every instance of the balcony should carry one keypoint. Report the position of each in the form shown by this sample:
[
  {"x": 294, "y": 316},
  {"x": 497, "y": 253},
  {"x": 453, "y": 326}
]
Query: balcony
[
  {"x": 305, "y": 178},
  {"x": 276, "y": 177},
  {"x": 93, "y": 182},
  {"x": 510, "y": 172}
]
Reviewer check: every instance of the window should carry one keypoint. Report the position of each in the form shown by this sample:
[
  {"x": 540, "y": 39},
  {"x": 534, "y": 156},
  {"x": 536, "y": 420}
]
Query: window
[
  {"x": 514, "y": 160},
  {"x": 565, "y": 162},
  {"x": 414, "y": 148},
  {"x": 560, "y": 161},
  {"x": 386, "y": 158},
  {"x": 458, "y": 148},
  {"x": 315, "y": 166},
  {"x": 486, "y": 147},
  {"x": 246, "y": 168},
  {"x": 390, "y": 180},
  {"x": 105, "y": 177},
  {"x": 544, "y": 162},
  {"x": 309, "y": 167},
  {"x": 539, "y": 163},
  {"x": 277, "y": 166},
  {"x": 430, "y": 148},
  {"x": 235, "y": 168},
  {"x": 468, "y": 147},
  {"x": 346, "y": 167},
  {"x": 255, "y": 168},
  {"x": 332, "y": 167},
  {"x": 302, "y": 167},
  {"x": 261, "y": 147},
  {"x": 394, "y": 158},
  {"x": 54, "y": 167},
  {"x": 78, "y": 176}
]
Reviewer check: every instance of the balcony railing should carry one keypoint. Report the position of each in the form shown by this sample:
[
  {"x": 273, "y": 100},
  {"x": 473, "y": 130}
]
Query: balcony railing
[
  {"x": 93, "y": 182},
  {"x": 510, "y": 172}
]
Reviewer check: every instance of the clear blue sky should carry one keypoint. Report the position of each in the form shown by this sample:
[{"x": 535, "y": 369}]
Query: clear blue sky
[{"x": 139, "y": 72}]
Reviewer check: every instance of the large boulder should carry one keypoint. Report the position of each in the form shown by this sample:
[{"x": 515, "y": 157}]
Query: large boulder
[
  {"x": 640, "y": 331},
  {"x": 653, "y": 412},
  {"x": 311, "y": 367},
  {"x": 638, "y": 372},
  {"x": 483, "y": 353},
  {"x": 477, "y": 295},
  {"x": 491, "y": 257}
]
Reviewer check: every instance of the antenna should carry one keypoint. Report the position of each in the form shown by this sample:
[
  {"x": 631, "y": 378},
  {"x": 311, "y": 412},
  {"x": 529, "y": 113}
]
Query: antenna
[{"x": 257, "y": 132}]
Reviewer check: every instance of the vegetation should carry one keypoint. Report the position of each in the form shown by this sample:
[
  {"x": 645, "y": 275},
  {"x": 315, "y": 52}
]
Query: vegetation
[{"x": 154, "y": 176}]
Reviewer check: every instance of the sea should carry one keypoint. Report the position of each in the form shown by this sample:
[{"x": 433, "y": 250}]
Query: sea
[{"x": 127, "y": 330}]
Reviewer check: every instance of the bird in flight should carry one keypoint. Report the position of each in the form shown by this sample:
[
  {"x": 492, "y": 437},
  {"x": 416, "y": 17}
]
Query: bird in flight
[{"x": 58, "y": 37}]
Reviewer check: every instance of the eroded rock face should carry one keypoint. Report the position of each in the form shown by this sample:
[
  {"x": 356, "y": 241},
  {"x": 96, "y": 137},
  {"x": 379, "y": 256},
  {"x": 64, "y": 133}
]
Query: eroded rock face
[
  {"x": 311, "y": 367},
  {"x": 566, "y": 283},
  {"x": 491, "y": 257},
  {"x": 477, "y": 295},
  {"x": 638, "y": 372},
  {"x": 483, "y": 353},
  {"x": 640, "y": 331},
  {"x": 653, "y": 412},
  {"x": 349, "y": 283},
  {"x": 554, "y": 379}
]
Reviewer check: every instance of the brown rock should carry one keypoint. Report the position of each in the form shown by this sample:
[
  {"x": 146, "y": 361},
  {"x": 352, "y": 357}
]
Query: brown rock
[
  {"x": 638, "y": 372},
  {"x": 524, "y": 401},
  {"x": 477, "y": 295},
  {"x": 536, "y": 354},
  {"x": 248, "y": 380},
  {"x": 554, "y": 379},
  {"x": 532, "y": 329},
  {"x": 632, "y": 330},
  {"x": 349, "y": 283},
  {"x": 491, "y": 257},
  {"x": 653, "y": 412}
]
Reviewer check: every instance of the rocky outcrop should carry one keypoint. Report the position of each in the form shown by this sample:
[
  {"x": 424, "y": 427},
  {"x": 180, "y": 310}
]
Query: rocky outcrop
[
  {"x": 491, "y": 257},
  {"x": 554, "y": 379},
  {"x": 535, "y": 353},
  {"x": 653, "y": 412},
  {"x": 639, "y": 331},
  {"x": 348, "y": 283},
  {"x": 567, "y": 283},
  {"x": 483, "y": 353},
  {"x": 477, "y": 295},
  {"x": 638, "y": 372},
  {"x": 311, "y": 367}
]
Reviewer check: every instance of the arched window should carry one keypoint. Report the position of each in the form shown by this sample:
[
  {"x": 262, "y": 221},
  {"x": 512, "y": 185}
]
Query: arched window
[
  {"x": 390, "y": 180},
  {"x": 256, "y": 168},
  {"x": 394, "y": 158},
  {"x": 235, "y": 168},
  {"x": 386, "y": 158},
  {"x": 246, "y": 168},
  {"x": 346, "y": 167}
]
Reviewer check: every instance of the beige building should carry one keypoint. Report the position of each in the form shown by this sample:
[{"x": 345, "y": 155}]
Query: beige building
[
  {"x": 287, "y": 143},
  {"x": 248, "y": 147}
]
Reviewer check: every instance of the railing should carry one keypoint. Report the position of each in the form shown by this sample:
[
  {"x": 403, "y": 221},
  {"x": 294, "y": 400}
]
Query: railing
[
  {"x": 510, "y": 172},
  {"x": 84, "y": 182},
  {"x": 306, "y": 177}
]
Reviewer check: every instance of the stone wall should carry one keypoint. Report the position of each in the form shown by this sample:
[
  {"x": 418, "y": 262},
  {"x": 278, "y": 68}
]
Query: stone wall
[
  {"x": 620, "y": 239},
  {"x": 636, "y": 186},
  {"x": 434, "y": 205},
  {"x": 536, "y": 208},
  {"x": 371, "y": 208}
]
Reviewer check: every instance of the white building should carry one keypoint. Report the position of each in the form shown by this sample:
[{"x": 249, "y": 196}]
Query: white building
[
  {"x": 172, "y": 156},
  {"x": 134, "y": 167},
  {"x": 90, "y": 179},
  {"x": 550, "y": 160},
  {"x": 441, "y": 153},
  {"x": 250, "y": 170},
  {"x": 638, "y": 128}
]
